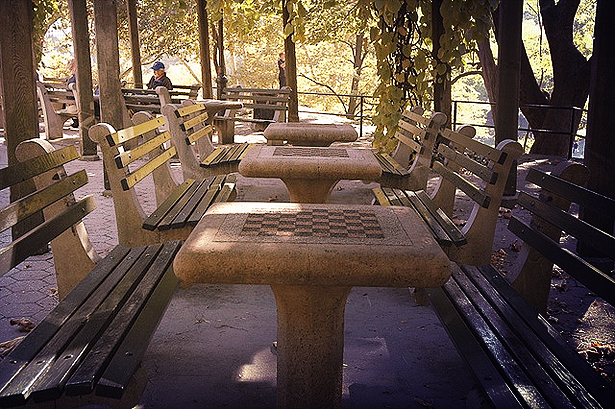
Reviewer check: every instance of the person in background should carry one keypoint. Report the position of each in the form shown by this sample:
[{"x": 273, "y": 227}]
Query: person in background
[
  {"x": 159, "y": 78},
  {"x": 282, "y": 70}
]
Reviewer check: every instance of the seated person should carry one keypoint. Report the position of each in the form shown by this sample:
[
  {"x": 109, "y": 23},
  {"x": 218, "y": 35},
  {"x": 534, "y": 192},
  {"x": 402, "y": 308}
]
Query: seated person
[{"x": 159, "y": 78}]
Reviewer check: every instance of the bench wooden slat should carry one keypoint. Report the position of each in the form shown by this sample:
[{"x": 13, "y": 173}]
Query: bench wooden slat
[
  {"x": 200, "y": 189},
  {"x": 213, "y": 157},
  {"x": 124, "y": 159},
  {"x": 34, "y": 202},
  {"x": 471, "y": 351},
  {"x": 25, "y": 351},
  {"x": 411, "y": 143},
  {"x": 591, "y": 200},
  {"x": 159, "y": 262},
  {"x": 21, "y": 248},
  {"x": 583, "y": 231},
  {"x": 466, "y": 187},
  {"x": 25, "y": 170},
  {"x": 499, "y": 290},
  {"x": 531, "y": 355},
  {"x": 486, "y": 151},
  {"x": 195, "y": 136},
  {"x": 391, "y": 197},
  {"x": 19, "y": 389},
  {"x": 220, "y": 191},
  {"x": 128, "y": 357},
  {"x": 139, "y": 174},
  {"x": 469, "y": 164},
  {"x": 93, "y": 335},
  {"x": 510, "y": 368},
  {"x": 192, "y": 122},
  {"x": 188, "y": 109},
  {"x": 174, "y": 218},
  {"x": 390, "y": 165},
  {"x": 154, "y": 219},
  {"x": 592, "y": 277},
  {"x": 543, "y": 359},
  {"x": 434, "y": 220},
  {"x": 129, "y": 133}
]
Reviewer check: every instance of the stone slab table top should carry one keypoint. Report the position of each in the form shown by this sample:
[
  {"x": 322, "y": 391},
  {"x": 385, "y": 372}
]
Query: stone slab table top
[
  {"x": 310, "y": 173},
  {"x": 309, "y": 134},
  {"x": 311, "y": 255},
  {"x": 214, "y": 106}
]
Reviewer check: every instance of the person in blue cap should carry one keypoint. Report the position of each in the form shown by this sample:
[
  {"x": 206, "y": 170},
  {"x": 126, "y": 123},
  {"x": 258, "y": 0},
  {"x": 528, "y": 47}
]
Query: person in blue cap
[{"x": 159, "y": 78}]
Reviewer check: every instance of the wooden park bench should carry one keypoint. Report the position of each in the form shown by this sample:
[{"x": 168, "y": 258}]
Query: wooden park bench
[
  {"x": 89, "y": 348},
  {"x": 179, "y": 206},
  {"x": 409, "y": 165},
  {"x": 477, "y": 170},
  {"x": 150, "y": 100},
  {"x": 517, "y": 358},
  {"x": 260, "y": 107},
  {"x": 58, "y": 104},
  {"x": 191, "y": 133}
]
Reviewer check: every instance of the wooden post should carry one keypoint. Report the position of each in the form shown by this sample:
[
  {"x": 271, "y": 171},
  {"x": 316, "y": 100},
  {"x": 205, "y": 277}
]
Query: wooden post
[
  {"x": 18, "y": 88},
  {"x": 442, "y": 83},
  {"x": 81, "y": 50},
  {"x": 599, "y": 144},
  {"x": 221, "y": 80},
  {"x": 105, "y": 22},
  {"x": 291, "y": 69},
  {"x": 17, "y": 74},
  {"x": 204, "y": 49},
  {"x": 134, "y": 44},
  {"x": 509, "y": 68}
]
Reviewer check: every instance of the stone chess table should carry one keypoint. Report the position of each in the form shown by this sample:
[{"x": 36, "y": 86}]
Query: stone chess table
[
  {"x": 309, "y": 134},
  {"x": 310, "y": 173},
  {"x": 311, "y": 255}
]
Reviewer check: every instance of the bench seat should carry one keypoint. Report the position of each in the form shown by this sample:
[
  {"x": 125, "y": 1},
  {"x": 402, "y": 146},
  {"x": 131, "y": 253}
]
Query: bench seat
[
  {"x": 517, "y": 358},
  {"x": 478, "y": 171},
  {"x": 89, "y": 348},
  {"x": 191, "y": 132},
  {"x": 132, "y": 154}
]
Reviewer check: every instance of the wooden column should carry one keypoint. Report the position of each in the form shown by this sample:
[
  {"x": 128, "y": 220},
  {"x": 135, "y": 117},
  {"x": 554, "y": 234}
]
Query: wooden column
[
  {"x": 81, "y": 50},
  {"x": 134, "y": 44},
  {"x": 221, "y": 80},
  {"x": 291, "y": 69},
  {"x": 204, "y": 49},
  {"x": 442, "y": 84},
  {"x": 600, "y": 144},
  {"x": 17, "y": 74},
  {"x": 105, "y": 22},
  {"x": 509, "y": 68}
]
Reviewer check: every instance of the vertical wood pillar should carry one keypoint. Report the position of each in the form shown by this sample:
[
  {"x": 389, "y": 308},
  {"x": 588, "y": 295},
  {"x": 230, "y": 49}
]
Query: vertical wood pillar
[
  {"x": 105, "y": 22},
  {"x": 17, "y": 74},
  {"x": 600, "y": 144},
  {"x": 291, "y": 68},
  {"x": 509, "y": 68},
  {"x": 134, "y": 44},
  {"x": 221, "y": 80},
  {"x": 204, "y": 49},
  {"x": 81, "y": 50}
]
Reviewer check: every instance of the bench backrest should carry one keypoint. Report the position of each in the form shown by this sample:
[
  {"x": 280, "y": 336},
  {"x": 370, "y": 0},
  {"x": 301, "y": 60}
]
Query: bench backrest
[
  {"x": 191, "y": 133},
  {"x": 151, "y": 100},
  {"x": 554, "y": 218},
  {"x": 257, "y": 98},
  {"x": 61, "y": 223},
  {"x": 52, "y": 98},
  {"x": 416, "y": 136},
  {"x": 130, "y": 155},
  {"x": 480, "y": 172}
]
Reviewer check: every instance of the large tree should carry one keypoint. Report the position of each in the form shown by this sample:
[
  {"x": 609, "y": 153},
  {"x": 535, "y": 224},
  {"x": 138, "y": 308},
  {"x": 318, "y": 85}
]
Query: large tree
[{"x": 571, "y": 75}]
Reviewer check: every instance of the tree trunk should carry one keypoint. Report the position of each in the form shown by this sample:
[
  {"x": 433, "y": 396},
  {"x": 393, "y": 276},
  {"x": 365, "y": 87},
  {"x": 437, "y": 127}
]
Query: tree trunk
[
  {"x": 204, "y": 49},
  {"x": 442, "y": 84},
  {"x": 134, "y": 44},
  {"x": 571, "y": 73},
  {"x": 291, "y": 69}
]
